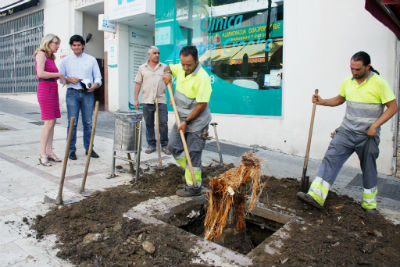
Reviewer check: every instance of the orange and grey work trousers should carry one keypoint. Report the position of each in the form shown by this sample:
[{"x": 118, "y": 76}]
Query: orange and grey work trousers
[{"x": 343, "y": 144}]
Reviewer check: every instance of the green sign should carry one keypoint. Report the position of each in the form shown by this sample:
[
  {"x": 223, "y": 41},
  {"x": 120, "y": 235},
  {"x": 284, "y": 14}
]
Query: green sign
[{"x": 252, "y": 33}]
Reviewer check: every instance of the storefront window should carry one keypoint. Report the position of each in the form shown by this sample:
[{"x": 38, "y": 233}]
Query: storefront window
[{"x": 244, "y": 63}]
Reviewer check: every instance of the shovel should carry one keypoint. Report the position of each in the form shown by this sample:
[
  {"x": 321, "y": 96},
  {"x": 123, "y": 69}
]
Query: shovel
[
  {"x": 178, "y": 122},
  {"x": 59, "y": 199},
  {"x": 214, "y": 125},
  {"x": 305, "y": 179}
]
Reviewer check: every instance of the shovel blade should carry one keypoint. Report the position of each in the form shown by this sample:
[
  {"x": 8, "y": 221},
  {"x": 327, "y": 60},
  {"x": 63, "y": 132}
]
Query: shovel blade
[
  {"x": 49, "y": 200},
  {"x": 71, "y": 201},
  {"x": 305, "y": 183},
  {"x": 60, "y": 201}
]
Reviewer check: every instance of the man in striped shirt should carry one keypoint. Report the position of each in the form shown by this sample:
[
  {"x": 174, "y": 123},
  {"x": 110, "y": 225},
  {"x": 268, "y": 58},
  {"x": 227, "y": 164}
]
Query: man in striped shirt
[{"x": 366, "y": 94}]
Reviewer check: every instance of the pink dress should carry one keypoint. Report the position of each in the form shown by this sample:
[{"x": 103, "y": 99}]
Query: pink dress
[{"x": 47, "y": 93}]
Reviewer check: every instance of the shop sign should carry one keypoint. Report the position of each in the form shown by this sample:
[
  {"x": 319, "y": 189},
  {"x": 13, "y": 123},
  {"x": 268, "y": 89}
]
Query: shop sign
[
  {"x": 9, "y": 7},
  {"x": 112, "y": 56},
  {"x": 105, "y": 25},
  {"x": 217, "y": 24},
  {"x": 256, "y": 32},
  {"x": 119, "y": 9}
]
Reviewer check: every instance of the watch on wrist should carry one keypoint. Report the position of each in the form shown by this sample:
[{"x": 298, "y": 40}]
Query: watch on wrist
[{"x": 187, "y": 122}]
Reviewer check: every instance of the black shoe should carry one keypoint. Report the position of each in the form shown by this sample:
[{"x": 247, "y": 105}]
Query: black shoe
[
  {"x": 308, "y": 199},
  {"x": 93, "y": 154},
  {"x": 72, "y": 155},
  {"x": 189, "y": 191}
]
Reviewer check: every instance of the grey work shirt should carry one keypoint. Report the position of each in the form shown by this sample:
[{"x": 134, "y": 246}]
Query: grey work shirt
[
  {"x": 361, "y": 115},
  {"x": 152, "y": 83}
]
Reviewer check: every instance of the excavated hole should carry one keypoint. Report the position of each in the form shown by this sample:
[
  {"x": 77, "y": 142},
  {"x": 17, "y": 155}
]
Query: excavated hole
[{"x": 190, "y": 218}]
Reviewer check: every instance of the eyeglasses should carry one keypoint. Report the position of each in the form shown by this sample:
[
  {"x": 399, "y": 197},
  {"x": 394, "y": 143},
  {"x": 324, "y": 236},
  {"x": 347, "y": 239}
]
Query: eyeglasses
[{"x": 56, "y": 43}]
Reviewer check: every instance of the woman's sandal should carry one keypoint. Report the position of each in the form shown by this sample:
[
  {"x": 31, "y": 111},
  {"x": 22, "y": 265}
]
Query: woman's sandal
[
  {"x": 53, "y": 157},
  {"x": 44, "y": 161}
]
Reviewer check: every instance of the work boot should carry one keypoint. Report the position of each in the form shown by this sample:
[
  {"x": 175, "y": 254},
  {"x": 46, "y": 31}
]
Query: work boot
[
  {"x": 93, "y": 154},
  {"x": 72, "y": 155},
  {"x": 189, "y": 191},
  {"x": 165, "y": 150},
  {"x": 371, "y": 211},
  {"x": 150, "y": 149},
  {"x": 308, "y": 199}
]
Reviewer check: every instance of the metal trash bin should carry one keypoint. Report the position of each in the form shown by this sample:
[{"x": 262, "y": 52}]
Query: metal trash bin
[
  {"x": 127, "y": 138},
  {"x": 126, "y": 130}
]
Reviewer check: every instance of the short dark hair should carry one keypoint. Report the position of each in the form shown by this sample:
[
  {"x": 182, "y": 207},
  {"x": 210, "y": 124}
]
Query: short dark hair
[
  {"x": 362, "y": 56},
  {"x": 189, "y": 50},
  {"x": 76, "y": 38},
  {"x": 365, "y": 58}
]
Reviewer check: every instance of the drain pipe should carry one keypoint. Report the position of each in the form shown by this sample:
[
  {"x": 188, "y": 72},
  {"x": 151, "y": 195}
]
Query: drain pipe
[{"x": 396, "y": 124}]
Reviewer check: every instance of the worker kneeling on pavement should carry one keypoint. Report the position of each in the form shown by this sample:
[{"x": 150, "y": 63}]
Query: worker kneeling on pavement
[
  {"x": 366, "y": 94},
  {"x": 192, "y": 94}
]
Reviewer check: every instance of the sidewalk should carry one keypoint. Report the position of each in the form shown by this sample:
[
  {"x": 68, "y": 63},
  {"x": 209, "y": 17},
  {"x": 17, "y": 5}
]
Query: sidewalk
[{"x": 25, "y": 182}]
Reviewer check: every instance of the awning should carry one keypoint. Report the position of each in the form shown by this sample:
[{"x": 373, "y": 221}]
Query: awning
[
  {"x": 387, "y": 12},
  {"x": 12, "y": 6}
]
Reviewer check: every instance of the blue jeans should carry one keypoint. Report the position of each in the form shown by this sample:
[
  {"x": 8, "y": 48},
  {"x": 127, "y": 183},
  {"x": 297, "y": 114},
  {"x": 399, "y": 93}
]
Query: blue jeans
[
  {"x": 79, "y": 100},
  {"x": 149, "y": 115}
]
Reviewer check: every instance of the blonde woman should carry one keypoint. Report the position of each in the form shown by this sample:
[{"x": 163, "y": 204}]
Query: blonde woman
[{"x": 47, "y": 94}]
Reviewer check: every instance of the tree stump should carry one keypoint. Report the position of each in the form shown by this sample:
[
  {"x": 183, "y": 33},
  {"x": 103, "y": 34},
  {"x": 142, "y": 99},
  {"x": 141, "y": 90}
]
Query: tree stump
[{"x": 234, "y": 234}]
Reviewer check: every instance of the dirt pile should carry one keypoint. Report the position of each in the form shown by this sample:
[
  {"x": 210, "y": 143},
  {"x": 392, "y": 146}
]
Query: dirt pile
[
  {"x": 93, "y": 232},
  {"x": 340, "y": 235}
]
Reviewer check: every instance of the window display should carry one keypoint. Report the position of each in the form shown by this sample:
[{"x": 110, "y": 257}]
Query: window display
[{"x": 244, "y": 63}]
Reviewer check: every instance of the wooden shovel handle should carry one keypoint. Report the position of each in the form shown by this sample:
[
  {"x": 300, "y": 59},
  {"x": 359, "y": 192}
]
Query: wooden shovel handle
[
  {"x": 158, "y": 134},
  {"x": 304, "y": 180},
  {"x": 59, "y": 199},
  {"x": 310, "y": 130},
  {"x": 89, "y": 153},
  {"x": 178, "y": 122}
]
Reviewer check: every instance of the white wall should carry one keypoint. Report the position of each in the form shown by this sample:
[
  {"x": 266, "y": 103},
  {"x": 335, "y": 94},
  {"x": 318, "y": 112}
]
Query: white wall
[
  {"x": 118, "y": 93},
  {"x": 319, "y": 39}
]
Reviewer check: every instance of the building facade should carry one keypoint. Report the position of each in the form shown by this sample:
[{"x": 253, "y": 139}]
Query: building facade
[
  {"x": 263, "y": 81},
  {"x": 264, "y": 62},
  {"x": 22, "y": 26}
]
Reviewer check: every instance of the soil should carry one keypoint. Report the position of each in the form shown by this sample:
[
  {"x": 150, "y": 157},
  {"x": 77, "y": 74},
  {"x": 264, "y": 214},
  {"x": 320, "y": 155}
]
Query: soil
[{"x": 93, "y": 232}]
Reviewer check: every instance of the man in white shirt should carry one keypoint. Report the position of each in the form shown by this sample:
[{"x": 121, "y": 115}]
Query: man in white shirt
[
  {"x": 149, "y": 77},
  {"x": 83, "y": 76}
]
